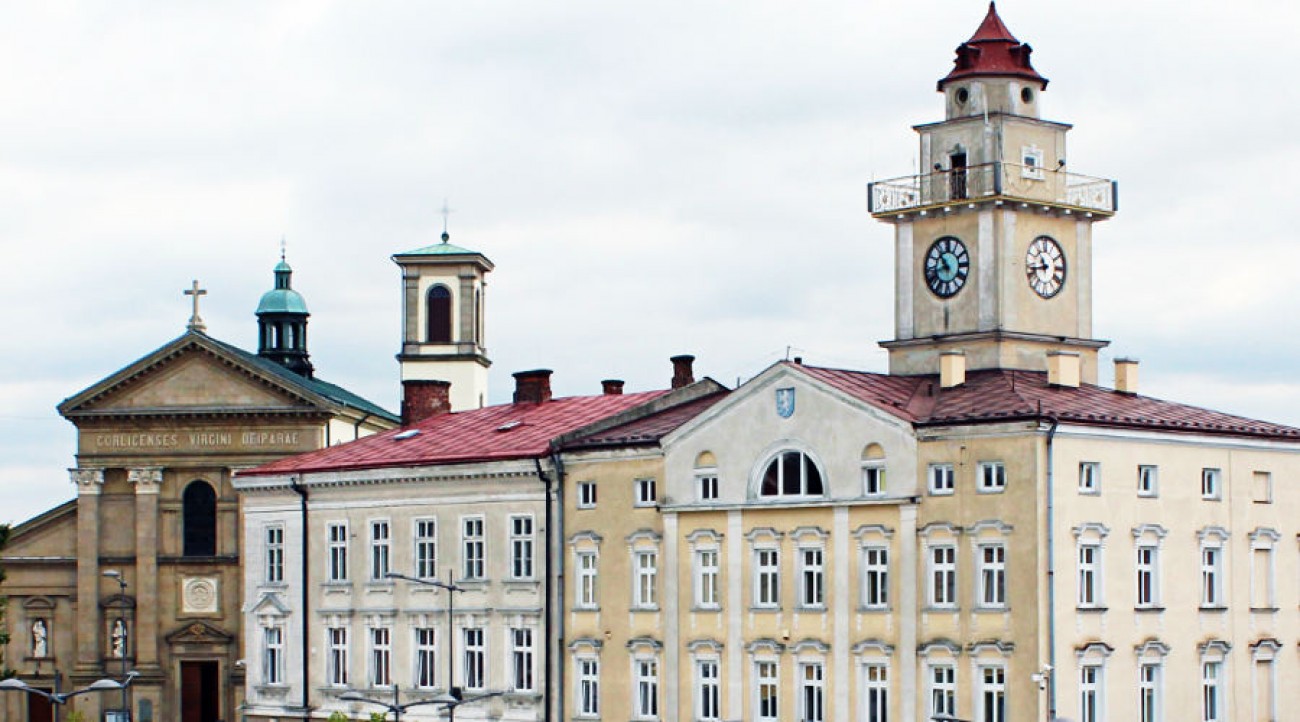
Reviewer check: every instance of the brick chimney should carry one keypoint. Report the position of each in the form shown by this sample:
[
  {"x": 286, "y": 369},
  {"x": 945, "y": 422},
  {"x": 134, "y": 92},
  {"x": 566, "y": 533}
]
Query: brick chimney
[
  {"x": 533, "y": 387},
  {"x": 683, "y": 374},
  {"x": 422, "y": 399},
  {"x": 612, "y": 387},
  {"x": 1126, "y": 375}
]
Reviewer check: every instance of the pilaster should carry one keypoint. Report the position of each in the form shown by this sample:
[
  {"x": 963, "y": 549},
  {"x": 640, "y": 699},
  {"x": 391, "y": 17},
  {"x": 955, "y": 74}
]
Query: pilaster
[
  {"x": 908, "y": 611},
  {"x": 672, "y": 620},
  {"x": 90, "y": 483},
  {"x": 147, "y": 482}
]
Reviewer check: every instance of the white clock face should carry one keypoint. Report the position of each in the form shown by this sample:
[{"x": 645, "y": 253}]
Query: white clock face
[{"x": 1045, "y": 267}]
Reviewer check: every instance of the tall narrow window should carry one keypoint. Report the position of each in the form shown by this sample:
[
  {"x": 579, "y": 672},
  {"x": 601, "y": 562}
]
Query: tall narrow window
[
  {"x": 1089, "y": 576},
  {"x": 380, "y": 546},
  {"x": 647, "y": 572},
  {"x": 586, "y": 580},
  {"x": 1149, "y": 693},
  {"x": 647, "y": 689},
  {"x": 1262, "y": 589},
  {"x": 521, "y": 660},
  {"x": 336, "y": 671},
  {"x": 588, "y": 687},
  {"x": 426, "y": 548},
  {"x": 767, "y": 685},
  {"x": 812, "y": 692},
  {"x": 1262, "y": 487},
  {"x": 521, "y": 547},
  {"x": 812, "y": 578},
  {"x": 1090, "y": 693},
  {"x": 475, "y": 670},
  {"x": 273, "y": 655},
  {"x": 875, "y": 577},
  {"x": 875, "y": 690},
  {"x": 199, "y": 519},
  {"x": 1211, "y": 577},
  {"x": 472, "y": 545},
  {"x": 381, "y": 657},
  {"x": 438, "y": 315},
  {"x": 1148, "y": 576},
  {"x": 337, "y": 541},
  {"x": 708, "y": 693},
  {"x": 1089, "y": 477},
  {"x": 275, "y": 554},
  {"x": 1211, "y": 484},
  {"x": 943, "y": 576},
  {"x": 992, "y": 576},
  {"x": 1148, "y": 480},
  {"x": 767, "y": 579},
  {"x": 426, "y": 658},
  {"x": 706, "y": 579},
  {"x": 992, "y": 697},
  {"x": 1211, "y": 692},
  {"x": 943, "y": 690}
]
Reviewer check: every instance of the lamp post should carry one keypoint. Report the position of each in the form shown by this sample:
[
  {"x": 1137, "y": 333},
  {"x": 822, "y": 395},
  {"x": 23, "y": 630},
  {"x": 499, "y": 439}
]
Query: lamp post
[
  {"x": 116, "y": 576},
  {"x": 58, "y": 698},
  {"x": 452, "y": 698},
  {"x": 452, "y": 701}
]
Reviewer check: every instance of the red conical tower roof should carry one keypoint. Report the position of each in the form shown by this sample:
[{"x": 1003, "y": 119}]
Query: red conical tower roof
[{"x": 993, "y": 51}]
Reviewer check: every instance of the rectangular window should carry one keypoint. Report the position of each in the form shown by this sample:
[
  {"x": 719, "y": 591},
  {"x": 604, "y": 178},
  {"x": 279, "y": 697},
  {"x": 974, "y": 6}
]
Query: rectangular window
[
  {"x": 992, "y": 561},
  {"x": 766, "y": 685},
  {"x": 586, "y": 495},
  {"x": 337, "y": 541},
  {"x": 337, "y": 660},
  {"x": 875, "y": 692},
  {"x": 426, "y": 658},
  {"x": 645, "y": 492},
  {"x": 1211, "y": 577},
  {"x": 992, "y": 477},
  {"x": 1089, "y": 575},
  {"x": 1031, "y": 163},
  {"x": 943, "y": 690},
  {"x": 472, "y": 545},
  {"x": 521, "y": 547},
  {"x": 1149, "y": 693},
  {"x": 708, "y": 693},
  {"x": 1211, "y": 692},
  {"x": 873, "y": 479},
  {"x": 875, "y": 577},
  {"x": 941, "y": 479},
  {"x": 1089, "y": 477},
  {"x": 275, "y": 554},
  {"x": 707, "y": 483},
  {"x": 379, "y": 549},
  {"x": 1211, "y": 484},
  {"x": 812, "y": 578},
  {"x": 273, "y": 655},
  {"x": 381, "y": 657},
  {"x": 812, "y": 692},
  {"x": 1262, "y": 487},
  {"x": 521, "y": 660},
  {"x": 647, "y": 573},
  {"x": 647, "y": 689},
  {"x": 474, "y": 673},
  {"x": 1148, "y": 576},
  {"x": 767, "y": 579},
  {"x": 992, "y": 698},
  {"x": 1262, "y": 594},
  {"x": 1148, "y": 481},
  {"x": 426, "y": 548},
  {"x": 943, "y": 577},
  {"x": 588, "y": 687},
  {"x": 586, "y": 598},
  {"x": 1090, "y": 706},
  {"x": 706, "y": 579}
]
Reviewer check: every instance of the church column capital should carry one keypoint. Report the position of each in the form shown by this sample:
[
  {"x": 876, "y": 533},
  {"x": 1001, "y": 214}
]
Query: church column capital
[
  {"x": 88, "y": 481},
  {"x": 146, "y": 480}
]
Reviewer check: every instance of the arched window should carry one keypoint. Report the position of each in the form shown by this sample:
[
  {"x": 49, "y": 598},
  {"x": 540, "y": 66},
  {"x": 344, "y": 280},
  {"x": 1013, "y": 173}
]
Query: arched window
[
  {"x": 199, "y": 522},
  {"x": 791, "y": 473},
  {"x": 438, "y": 314}
]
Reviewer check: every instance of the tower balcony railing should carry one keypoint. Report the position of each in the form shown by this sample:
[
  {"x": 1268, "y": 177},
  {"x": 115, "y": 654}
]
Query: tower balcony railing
[{"x": 990, "y": 181}]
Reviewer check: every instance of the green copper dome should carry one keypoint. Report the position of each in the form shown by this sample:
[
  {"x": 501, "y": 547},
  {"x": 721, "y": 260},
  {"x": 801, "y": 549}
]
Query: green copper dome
[{"x": 282, "y": 298}]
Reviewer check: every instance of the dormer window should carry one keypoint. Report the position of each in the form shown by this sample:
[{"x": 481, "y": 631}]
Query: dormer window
[{"x": 792, "y": 473}]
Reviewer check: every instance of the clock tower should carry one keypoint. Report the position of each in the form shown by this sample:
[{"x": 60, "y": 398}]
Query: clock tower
[{"x": 993, "y": 241}]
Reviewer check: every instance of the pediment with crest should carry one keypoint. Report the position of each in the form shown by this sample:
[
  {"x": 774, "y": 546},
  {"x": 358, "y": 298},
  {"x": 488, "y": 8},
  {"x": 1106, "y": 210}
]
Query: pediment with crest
[{"x": 200, "y": 633}]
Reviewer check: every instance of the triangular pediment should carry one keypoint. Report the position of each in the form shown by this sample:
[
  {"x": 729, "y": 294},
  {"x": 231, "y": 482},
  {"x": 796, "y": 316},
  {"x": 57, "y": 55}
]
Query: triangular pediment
[
  {"x": 200, "y": 633},
  {"x": 193, "y": 374},
  {"x": 270, "y": 605}
]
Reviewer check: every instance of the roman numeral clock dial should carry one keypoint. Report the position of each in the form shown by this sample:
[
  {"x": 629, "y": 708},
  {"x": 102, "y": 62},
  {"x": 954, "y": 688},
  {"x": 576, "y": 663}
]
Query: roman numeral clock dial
[
  {"x": 946, "y": 266},
  {"x": 1045, "y": 267}
]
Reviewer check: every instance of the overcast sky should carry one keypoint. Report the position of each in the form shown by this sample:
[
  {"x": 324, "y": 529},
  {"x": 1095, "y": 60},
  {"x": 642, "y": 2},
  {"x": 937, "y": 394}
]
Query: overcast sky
[{"x": 649, "y": 178}]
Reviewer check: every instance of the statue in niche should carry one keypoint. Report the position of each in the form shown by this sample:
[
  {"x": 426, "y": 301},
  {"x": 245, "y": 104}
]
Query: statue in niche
[
  {"x": 40, "y": 639},
  {"x": 119, "y": 638}
]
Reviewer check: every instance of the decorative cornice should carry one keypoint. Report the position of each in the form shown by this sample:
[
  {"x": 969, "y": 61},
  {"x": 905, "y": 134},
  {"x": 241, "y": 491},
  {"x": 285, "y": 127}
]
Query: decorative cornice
[
  {"x": 88, "y": 481},
  {"x": 869, "y": 530}
]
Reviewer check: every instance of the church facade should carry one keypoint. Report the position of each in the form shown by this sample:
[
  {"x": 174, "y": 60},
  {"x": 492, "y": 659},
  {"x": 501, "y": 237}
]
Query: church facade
[{"x": 141, "y": 570}]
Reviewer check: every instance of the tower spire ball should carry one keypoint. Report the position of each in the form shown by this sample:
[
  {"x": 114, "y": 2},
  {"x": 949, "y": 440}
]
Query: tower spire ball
[
  {"x": 196, "y": 323},
  {"x": 446, "y": 212}
]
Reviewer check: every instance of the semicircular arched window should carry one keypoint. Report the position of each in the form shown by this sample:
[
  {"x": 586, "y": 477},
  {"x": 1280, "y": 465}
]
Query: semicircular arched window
[
  {"x": 791, "y": 473},
  {"x": 438, "y": 314},
  {"x": 199, "y": 520}
]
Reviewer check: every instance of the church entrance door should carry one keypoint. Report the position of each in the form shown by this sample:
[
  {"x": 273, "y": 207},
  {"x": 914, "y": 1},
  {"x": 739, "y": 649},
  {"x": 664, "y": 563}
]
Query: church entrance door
[
  {"x": 39, "y": 709},
  {"x": 200, "y": 700}
]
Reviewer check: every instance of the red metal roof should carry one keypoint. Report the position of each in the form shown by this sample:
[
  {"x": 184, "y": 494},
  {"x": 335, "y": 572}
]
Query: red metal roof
[
  {"x": 649, "y": 429},
  {"x": 1003, "y": 395},
  {"x": 507, "y": 431},
  {"x": 993, "y": 51}
]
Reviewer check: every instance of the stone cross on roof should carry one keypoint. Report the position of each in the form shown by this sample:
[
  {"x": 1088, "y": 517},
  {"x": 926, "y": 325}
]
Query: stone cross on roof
[{"x": 196, "y": 323}]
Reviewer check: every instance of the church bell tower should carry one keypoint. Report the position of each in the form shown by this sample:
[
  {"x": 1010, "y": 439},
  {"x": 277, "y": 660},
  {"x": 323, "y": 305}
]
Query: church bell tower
[{"x": 993, "y": 239}]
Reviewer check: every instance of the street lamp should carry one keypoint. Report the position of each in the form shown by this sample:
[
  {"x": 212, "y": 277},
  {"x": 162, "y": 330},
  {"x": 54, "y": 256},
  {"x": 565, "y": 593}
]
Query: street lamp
[
  {"x": 116, "y": 576},
  {"x": 58, "y": 698},
  {"x": 451, "y": 700}
]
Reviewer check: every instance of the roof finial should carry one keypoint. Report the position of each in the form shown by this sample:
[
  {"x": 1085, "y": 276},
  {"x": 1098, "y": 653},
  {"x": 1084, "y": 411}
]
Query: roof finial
[
  {"x": 196, "y": 323},
  {"x": 282, "y": 248},
  {"x": 446, "y": 211}
]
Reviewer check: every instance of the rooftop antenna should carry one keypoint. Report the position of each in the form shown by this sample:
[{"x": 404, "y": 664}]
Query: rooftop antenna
[{"x": 446, "y": 211}]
